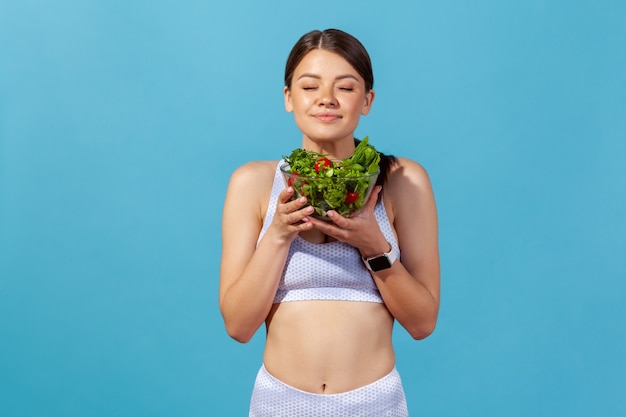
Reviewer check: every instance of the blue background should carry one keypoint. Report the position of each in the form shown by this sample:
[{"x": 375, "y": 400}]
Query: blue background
[{"x": 121, "y": 121}]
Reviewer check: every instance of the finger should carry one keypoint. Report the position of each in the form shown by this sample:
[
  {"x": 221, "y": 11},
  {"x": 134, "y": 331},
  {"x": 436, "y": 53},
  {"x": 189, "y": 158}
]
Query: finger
[
  {"x": 286, "y": 195},
  {"x": 295, "y": 205},
  {"x": 291, "y": 200},
  {"x": 327, "y": 227},
  {"x": 297, "y": 215},
  {"x": 338, "y": 219}
]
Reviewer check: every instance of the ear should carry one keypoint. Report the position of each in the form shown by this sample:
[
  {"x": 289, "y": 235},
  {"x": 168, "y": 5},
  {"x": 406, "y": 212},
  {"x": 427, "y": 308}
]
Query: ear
[
  {"x": 287, "y": 96},
  {"x": 367, "y": 104}
]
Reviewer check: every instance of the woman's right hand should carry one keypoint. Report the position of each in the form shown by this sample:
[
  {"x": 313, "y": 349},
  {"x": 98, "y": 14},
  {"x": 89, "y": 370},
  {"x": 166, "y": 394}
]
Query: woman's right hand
[{"x": 291, "y": 217}]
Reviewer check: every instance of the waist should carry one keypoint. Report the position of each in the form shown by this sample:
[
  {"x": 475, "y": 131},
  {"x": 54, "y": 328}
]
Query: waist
[{"x": 329, "y": 346}]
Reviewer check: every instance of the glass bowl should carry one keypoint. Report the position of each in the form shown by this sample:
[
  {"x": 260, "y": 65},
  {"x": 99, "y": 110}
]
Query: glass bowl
[{"x": 345, "y": 195}]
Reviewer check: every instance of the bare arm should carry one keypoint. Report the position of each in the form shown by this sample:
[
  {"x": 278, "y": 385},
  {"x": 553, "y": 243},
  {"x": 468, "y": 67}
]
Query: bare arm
[
  {"x": 410, "y": 288},
  {"x": 250, "y": 274}
]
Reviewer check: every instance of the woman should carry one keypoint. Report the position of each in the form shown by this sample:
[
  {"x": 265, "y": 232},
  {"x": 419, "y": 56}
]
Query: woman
[{"x": 329, "y": 343}]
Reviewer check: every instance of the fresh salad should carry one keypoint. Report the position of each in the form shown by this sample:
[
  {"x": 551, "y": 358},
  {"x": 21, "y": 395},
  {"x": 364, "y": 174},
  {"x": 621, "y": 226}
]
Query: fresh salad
[{"x": 342, "y": 186}]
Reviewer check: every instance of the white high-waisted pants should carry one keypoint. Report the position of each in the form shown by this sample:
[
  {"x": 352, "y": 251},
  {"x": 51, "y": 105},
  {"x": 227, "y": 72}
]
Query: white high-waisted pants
[{"x": 273, "y": 398}]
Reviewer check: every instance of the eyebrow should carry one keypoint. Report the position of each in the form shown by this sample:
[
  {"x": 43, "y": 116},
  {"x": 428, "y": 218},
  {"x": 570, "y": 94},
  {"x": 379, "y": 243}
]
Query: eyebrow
[{"x": 339, "y": 77}]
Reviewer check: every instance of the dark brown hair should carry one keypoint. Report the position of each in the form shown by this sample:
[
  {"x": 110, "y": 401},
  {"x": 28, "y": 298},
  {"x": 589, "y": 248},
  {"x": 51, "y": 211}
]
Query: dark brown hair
[
  {"x": 353, "y": 51},
  {"x": 332, "y": 40}
]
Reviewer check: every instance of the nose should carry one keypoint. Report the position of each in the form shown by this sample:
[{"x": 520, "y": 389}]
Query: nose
[{"x": 327, "y": 97}]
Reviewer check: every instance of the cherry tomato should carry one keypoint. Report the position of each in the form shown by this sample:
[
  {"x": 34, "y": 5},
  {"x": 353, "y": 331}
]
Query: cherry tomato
[
  {"x": 322, "y": 163},
  {"x": 351, "y": 197},
  {"x": 291, "y": 179},
  {"x": 299, "y": 185}
]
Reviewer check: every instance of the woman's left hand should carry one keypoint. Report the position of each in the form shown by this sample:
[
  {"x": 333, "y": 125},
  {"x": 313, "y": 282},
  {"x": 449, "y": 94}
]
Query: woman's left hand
[{"x": 360, "y": 230}]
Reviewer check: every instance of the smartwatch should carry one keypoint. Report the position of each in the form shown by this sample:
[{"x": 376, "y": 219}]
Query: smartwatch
[{"x": 381, "y": 262}]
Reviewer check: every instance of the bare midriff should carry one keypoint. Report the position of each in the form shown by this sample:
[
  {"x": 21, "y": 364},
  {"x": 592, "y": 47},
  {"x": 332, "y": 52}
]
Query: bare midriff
[{"x": 329, "y": 347}]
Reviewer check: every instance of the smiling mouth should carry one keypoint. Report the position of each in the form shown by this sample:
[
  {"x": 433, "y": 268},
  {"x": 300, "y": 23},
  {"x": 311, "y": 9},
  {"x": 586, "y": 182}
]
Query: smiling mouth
[{"x": 327, "y": 117}]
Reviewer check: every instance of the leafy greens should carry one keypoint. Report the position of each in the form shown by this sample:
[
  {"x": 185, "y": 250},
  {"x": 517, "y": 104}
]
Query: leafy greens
[{"x": 342, "y": 186}]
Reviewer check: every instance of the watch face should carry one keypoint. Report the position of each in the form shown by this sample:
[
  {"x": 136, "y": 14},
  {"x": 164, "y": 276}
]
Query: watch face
[{"x": 379, "y": 263}]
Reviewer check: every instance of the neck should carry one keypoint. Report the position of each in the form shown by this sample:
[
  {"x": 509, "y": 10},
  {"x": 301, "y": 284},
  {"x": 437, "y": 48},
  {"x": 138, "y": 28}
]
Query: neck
[{"x": 335, "y": 150}]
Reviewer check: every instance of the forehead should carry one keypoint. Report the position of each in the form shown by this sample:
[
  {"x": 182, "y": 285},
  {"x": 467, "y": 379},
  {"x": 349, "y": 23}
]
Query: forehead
[{"x": 324, "y": 63}]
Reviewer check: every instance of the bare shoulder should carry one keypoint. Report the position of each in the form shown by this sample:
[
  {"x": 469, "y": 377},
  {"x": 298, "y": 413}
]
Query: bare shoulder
[
  {"x": 253, "y": 177},
  {"x": 251, "y": 182},
  {"x": 409, "y": 197},
  {"x": 254, "y": 171},
  {"x": 410, "y": 200},
  {"x": 406, "y": 175}
]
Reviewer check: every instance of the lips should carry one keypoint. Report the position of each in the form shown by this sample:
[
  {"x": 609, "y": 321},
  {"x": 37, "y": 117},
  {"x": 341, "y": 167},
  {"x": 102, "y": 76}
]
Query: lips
[{"x": 326, "y": 117}]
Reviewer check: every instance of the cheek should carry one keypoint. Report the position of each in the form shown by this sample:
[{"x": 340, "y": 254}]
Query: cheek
[{"x": 301, "y": 103}]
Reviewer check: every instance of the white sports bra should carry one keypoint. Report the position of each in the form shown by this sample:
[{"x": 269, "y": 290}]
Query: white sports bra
[{"x": 325, "y": 271}]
